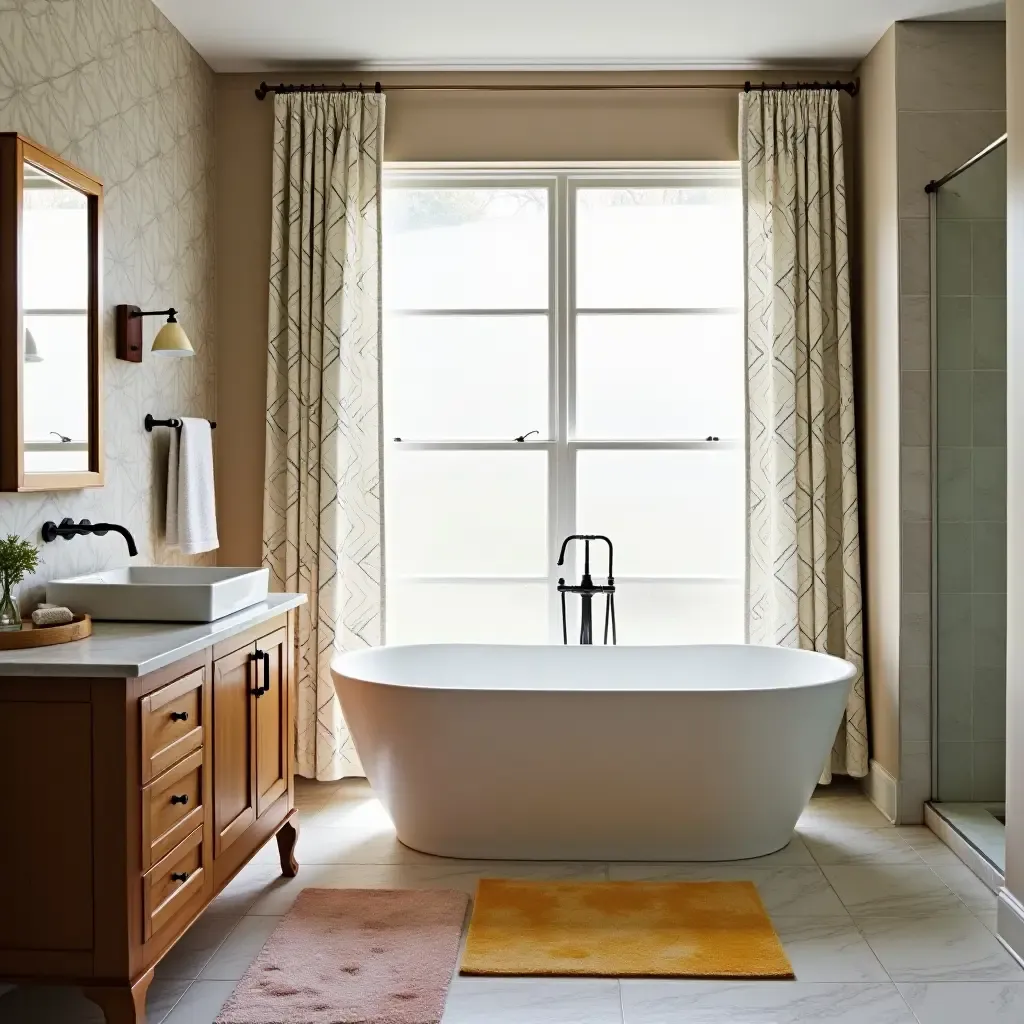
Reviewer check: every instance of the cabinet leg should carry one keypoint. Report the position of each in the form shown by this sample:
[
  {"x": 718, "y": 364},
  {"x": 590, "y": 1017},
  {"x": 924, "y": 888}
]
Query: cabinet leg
[
  {"x": 286, "y": 839},
  {"x": 122, "y": 1004}
]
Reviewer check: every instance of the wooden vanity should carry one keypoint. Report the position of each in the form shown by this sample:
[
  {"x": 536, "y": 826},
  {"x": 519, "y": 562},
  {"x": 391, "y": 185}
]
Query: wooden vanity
[{"x": 144, "y": 767}]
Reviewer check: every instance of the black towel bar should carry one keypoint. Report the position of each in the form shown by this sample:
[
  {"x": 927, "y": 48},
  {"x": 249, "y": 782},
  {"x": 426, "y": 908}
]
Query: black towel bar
[{"x": 149, "y": 423}]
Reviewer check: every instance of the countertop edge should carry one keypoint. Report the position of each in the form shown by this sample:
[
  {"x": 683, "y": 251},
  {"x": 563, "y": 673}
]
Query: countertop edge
[{"x": 213, "y": 632}]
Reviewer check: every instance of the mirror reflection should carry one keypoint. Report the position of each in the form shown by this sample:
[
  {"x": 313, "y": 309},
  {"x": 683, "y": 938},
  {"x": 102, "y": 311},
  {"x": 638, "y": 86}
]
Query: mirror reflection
[{"x": 55, "y": 311}]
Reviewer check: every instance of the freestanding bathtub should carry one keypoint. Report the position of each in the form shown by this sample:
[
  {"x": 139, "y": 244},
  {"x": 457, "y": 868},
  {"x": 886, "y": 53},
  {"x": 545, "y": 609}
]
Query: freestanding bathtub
[{"x": 593, "y": 753}]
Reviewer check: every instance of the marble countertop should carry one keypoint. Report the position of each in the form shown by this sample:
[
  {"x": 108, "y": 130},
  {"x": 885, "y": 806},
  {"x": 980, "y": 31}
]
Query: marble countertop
[{"x": 137, "y": 648}]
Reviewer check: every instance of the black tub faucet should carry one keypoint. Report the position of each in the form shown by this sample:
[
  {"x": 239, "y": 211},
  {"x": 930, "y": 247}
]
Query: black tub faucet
[
  {"x": 587, "y": 588},
  {"x": 68, "y": 528}
]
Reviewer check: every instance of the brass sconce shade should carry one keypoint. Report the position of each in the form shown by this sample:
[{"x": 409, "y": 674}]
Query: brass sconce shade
[{"x": 171, "y": 339}]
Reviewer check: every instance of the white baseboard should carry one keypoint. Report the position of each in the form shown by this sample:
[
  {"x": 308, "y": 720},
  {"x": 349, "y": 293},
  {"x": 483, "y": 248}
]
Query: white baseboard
[
  {"x": 1010, "y": 923},
  {"x": 881, "y": 789}
]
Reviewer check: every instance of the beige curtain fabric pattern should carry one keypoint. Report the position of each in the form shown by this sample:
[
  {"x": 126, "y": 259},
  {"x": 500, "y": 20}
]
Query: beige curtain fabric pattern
[
  {"x": 803, "y": 557},
  {"x": 323, "y": 511}
]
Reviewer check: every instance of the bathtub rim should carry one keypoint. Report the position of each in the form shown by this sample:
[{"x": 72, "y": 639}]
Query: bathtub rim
[{"x": 847, "y": 676}]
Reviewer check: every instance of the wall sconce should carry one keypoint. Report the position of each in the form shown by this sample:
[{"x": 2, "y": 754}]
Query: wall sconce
[
  {"x": 171, "y": 340},
  {"x": 31, "y": 348}
]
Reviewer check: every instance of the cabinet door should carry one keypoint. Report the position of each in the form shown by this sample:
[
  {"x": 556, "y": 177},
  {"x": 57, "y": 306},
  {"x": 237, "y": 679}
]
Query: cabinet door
[
  {"x": 234, "y": 746},
  {"x": 272, "y": 720}
]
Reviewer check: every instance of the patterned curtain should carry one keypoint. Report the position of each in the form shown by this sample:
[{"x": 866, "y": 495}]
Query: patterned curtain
[
  {"x": 803, "y": 558},
  {"x": 323, "y": 514}
]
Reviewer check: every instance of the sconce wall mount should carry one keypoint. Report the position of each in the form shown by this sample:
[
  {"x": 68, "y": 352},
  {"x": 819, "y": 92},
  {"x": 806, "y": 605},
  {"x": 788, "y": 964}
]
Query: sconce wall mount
[{"x": 170, "y": 340}]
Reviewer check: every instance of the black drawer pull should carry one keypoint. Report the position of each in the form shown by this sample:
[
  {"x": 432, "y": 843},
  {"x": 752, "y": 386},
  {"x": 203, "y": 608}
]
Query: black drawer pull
[
  {"x": 179, "y": 716},
  {"x": 263, "y": 656},
  {"x": 179, "y": 876},
  {"x": 183, "y": 799}
]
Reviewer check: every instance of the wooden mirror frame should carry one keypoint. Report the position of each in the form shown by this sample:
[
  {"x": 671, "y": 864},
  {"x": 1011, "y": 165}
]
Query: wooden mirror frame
[{"x": 15, "y": 150}]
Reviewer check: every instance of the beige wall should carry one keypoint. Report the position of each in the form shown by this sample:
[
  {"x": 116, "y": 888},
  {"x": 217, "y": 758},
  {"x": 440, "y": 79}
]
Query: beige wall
[
  {"x": 421, "y": 126},
  {"x": 879, "y": 376},
  {"x": 130, "y": 101},
  {"x": 1011, "y": 916}
]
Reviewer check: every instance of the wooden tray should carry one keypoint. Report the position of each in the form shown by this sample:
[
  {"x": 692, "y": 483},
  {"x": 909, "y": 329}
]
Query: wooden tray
[{"x": 31, "y": 635}]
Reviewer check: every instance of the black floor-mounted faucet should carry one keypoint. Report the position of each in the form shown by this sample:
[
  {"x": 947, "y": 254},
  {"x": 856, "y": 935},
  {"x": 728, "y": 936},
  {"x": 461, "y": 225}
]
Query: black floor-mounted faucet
[
  {"x": 587, "y": 588},
  {"x": 68, "y": 528}
]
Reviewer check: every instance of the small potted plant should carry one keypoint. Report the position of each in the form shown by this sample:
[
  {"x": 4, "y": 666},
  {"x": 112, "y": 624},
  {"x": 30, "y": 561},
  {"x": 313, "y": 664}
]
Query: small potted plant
[{"x": 17, "y": 559}]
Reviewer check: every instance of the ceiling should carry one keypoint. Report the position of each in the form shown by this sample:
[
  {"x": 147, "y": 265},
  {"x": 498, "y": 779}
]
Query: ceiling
[{"x": 258, "y": 35}]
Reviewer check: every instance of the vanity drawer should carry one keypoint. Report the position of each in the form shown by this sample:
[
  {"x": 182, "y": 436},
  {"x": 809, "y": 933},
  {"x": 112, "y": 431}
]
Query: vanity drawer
[
  {"x": 172, "y": 883},
  {"x": 172, "y": 723},
  {"x": 172, "y": 807}
]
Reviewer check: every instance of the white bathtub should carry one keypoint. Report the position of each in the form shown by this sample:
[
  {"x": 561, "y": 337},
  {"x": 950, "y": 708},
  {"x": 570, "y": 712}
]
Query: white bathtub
[{"x": 593, "y": 753}]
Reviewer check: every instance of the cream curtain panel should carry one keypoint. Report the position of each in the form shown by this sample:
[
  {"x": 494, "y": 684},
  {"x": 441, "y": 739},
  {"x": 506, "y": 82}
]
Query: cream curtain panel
[
  {"x": 323, "y": 512},
  {"x": 803, "y": 557}
]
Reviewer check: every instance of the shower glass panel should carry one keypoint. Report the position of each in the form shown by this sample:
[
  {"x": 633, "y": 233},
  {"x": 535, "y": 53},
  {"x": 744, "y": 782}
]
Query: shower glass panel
[{"x": 969, "y": 458}]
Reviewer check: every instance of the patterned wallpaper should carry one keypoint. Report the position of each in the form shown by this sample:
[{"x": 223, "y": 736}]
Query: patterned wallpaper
[{"x": 112, "y": 86}]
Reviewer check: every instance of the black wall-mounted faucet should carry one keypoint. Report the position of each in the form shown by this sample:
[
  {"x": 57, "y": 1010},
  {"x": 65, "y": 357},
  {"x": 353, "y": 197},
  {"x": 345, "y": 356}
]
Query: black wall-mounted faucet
[{"x": 68, "y": 528}]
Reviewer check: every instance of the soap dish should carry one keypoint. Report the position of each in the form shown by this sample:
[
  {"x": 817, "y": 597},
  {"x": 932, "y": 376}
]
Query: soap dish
[{"x": 31, "y": 635}]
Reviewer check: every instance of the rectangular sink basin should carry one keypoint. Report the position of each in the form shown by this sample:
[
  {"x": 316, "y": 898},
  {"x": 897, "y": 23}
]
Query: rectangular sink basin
[{"x": 161, "y": 593}]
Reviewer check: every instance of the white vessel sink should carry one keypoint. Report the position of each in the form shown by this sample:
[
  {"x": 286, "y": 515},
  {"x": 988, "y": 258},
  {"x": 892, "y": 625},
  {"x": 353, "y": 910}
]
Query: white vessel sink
[{"x": 161, "y": 593}]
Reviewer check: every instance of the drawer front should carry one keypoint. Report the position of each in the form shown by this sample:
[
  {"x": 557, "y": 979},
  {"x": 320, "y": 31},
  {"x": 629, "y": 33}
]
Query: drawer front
[
  {"x": 175, "y": 880},
  {"x": 172, "y": 807},
  {"x": 172, "y": 723}
]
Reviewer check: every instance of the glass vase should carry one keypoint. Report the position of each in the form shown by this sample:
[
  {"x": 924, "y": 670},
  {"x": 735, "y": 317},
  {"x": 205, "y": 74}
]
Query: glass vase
[{"x": 10, "y": 614}]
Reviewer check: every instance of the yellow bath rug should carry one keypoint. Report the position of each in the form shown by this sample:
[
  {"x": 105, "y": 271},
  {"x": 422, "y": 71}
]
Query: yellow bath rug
[{"x": 622, "y": 929}]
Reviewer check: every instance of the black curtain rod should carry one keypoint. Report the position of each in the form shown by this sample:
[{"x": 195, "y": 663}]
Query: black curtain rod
[{"x": 849, "y": 87}]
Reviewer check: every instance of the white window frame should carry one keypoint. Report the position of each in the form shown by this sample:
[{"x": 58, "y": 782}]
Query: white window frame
[{"x": 562, "y": 182}]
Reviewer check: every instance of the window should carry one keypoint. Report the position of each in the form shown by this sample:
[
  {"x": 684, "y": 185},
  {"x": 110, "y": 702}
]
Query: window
[{"x": 598, "y": 313}]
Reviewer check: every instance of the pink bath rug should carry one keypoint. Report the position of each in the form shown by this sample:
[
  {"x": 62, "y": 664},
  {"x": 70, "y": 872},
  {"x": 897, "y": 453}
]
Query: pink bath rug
[{"x": 341, "y": 956}]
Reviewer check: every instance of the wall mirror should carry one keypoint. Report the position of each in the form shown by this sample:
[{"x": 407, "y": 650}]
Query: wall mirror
[{"x": 50, "y": 360}]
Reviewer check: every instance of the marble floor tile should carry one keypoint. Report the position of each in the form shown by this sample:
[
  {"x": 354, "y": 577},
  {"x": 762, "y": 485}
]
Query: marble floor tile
[
  {"x": 928, "y": 846},
  {"x": 966, "y": 1002},
  {"x": 239, "y": 949},
  {"x": 790, "y": 891},
  {"x": 967, "y": 885},
  {"x": 194, "y": 950},
  {"x": 894, "y": 890},
  {"x": 828, "y": 949},
  {"x": 533, "y": 1001},
  {"x": 856, "y": 812},
  {"x": 956, "y": 947},
  {"x": 840, "y": 845},
  {"x": 201, "y": 1003},
  {"x": 752, "y": 1002}
]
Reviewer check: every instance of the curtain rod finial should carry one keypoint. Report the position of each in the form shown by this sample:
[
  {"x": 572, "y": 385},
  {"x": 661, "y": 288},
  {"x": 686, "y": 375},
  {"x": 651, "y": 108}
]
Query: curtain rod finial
[{"x": 261, "y": 92}]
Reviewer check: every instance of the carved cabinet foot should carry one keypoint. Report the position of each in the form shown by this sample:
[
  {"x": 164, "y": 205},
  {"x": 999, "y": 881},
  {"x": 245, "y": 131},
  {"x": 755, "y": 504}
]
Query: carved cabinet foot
[
  {"x": 287, "y": 836},
  {"x": 122, "y": 1004}
]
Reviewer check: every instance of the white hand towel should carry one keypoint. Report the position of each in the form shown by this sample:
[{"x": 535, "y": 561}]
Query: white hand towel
[{"x": 191, "y": 507}]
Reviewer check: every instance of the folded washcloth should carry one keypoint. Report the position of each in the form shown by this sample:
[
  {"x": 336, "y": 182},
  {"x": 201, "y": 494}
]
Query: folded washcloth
[
  {"x": 52, "y": 615},
  {"x": 191, "y": 508}
]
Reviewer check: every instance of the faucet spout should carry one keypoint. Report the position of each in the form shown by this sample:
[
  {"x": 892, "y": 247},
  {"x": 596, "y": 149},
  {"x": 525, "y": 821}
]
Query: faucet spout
[
  {"x": 68, "y": 528},
  {"x": 101, "y": 528}
]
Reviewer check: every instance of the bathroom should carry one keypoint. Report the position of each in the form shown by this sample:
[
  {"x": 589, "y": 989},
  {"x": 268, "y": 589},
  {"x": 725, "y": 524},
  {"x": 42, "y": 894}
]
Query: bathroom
[{"x": 524, "y": 188}]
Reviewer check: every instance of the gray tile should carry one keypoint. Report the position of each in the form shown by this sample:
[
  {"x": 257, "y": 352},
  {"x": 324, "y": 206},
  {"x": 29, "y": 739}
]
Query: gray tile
[
  {"x": 989, "y": 484},
  {"x": 916, "y": 490},
  {"x": 764, "y": 1002},
  {"x": 915, "y": 332},
  {"x": 989, "y": 411},
  {"x": 954, "y": 1002},
  {"x": 239, "y": 949},
  {"x": 956, "y": 666},
  {"x": 990, "y": 630},
  {"x": 890, "y": 890},
  {"x": 917, "y": 556},
  {"x": 956, "y": 771},
  {"x": 533, "y": 1001},
  {"x": 989, "y": 771},
  {"x": 194, "y": 950},
  {"x": 915, "y": 256},
  {"x": 988, "y": 332},
  {"x": 980, "y": 192},
  {"x": 954, "y": 413},
  {"x": 915, "y": 630},
  {"x": 915, "y": 405},
  {"x": 828, "y": 949},
  {"x": 989, "y": 704},
  {"x": 836, "y": 844},
  {"x": 201, "y": 1002},
  {"x": 953, "y": 258},
  {"x": 955, "y": 554},
  {"x": 950, "y": 65},
  {"x": 162, "y": 997},
  {"x": 955, "y": 336},
  {"x": 915, "y": 703},
  {"x": 954, "y": 489},
  {"x": 989, "y": 257},
  {"x": 990, "y": 558}
]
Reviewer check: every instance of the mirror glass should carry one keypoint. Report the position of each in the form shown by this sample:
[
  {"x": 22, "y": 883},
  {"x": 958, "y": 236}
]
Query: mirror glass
[{"x": 55, "y": 310}]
